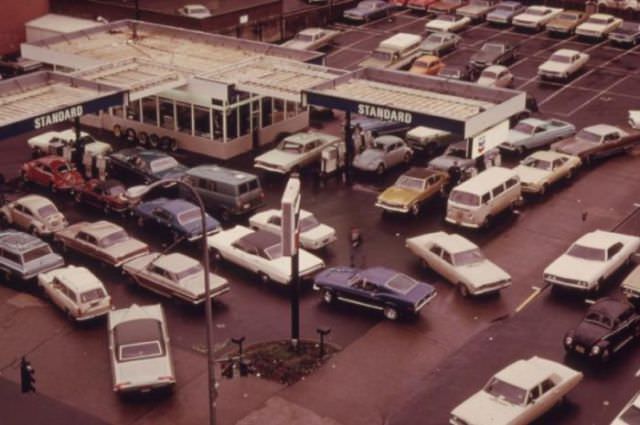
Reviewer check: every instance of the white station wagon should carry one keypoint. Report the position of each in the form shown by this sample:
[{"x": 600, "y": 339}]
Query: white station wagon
[
  {"x": 35, "y": 214},
  {"x": 592, "y": 259},
  {"x": 77, "y": 291},
  {"x": 313, "y": 234},
  {"x": 295, "y": 152},
  {"x": 460, "y": 261}
]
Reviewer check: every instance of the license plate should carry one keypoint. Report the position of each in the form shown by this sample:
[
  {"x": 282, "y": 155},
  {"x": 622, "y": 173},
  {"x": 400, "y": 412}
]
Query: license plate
[{"x": 580, "y": 349}]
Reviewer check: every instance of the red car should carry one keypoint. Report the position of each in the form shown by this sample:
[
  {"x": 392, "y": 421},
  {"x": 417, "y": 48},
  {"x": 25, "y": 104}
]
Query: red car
[
  {"x": 53, "y": 172},
  {"x": 420, "y": 5},
  {"x": 107, "y": 195}
]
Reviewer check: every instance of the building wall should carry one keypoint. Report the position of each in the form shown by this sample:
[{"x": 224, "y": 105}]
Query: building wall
[{"x": 14, "y": 15}]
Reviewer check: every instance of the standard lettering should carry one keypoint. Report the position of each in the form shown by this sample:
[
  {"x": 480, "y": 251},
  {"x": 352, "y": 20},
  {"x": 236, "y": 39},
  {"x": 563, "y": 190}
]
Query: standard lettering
[
  {"x": 58, "y": 117},
  {"x": 385, "y": 114}
]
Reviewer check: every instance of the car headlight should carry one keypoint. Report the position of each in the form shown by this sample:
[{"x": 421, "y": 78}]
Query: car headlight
[
  {"x": 568, "y": 340},
  {"x": 595, "y": 350}
]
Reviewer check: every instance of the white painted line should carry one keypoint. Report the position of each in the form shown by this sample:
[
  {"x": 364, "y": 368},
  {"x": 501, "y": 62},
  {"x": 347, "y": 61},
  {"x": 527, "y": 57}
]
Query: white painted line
[
  {"x": 534, "y": 294},
  {"x": 599, "y": 94}
]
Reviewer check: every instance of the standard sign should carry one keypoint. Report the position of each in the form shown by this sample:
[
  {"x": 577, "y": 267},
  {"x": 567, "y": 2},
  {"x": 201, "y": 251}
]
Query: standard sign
[
  {"x": 384, "y": 113},
  {"x": 58, "y": 117}
]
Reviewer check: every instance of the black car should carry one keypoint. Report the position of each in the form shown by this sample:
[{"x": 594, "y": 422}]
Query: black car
[
  {"x": 626, "y": 34},
  {"x": 493, "y": 53},
  {"x": 145, "y": 165},
  {"x": 457, "y": 72},
  {"x": 607, "y": 327},
  {"x": 378, "y": 288}
]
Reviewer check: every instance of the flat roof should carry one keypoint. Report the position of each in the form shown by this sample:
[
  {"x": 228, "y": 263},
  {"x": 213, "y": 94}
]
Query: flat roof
[{"x": 61, "y": 23}]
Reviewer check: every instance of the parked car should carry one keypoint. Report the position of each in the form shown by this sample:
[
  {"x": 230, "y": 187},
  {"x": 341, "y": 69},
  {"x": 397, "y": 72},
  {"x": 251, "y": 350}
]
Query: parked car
[
  {"x": 532, "y": 133},
  {"x": 627, "y": 34},
  {"x": 631, "y": 285},
  {"x": 52, "y": 172},
  {"x": 629, "y": 413},
  {"x": 176, "y": 276},
  {"x": 563, "y": 64},
  {"x": 598, "y": 25},
  {"x": 505, "y": 11},
  {"x": 429, "y": 141},
  {"x": 139, "y": 349},
  {"x": 420, "y": 5},
  {"x": 368, "y": 10},
  {"x": 536, "y": 17},
  {"x": 108, "y": 195},
  {"x": 197, "y": 11},
  {"x": 145, "y": 165},
  {"x": 458, "y": 72},
  {"x": 460, "y": 262},
  {"x": 634, "y": 119},
  {"x": 477, "y": 10},
  {"x": 591, "y": 259},
  {"x": 295, "y": 152},
  {"x": 493, "y": 53},
  {"x": 378, "y": 288},
  {"x": 398, "y": 3},
  {"x": 313, "y": 234},
  {"x": 181, "y": 218},
  {"x": 495, "y": 76},
  {"x": 311, "y": 39},
  {"x": 426, "y": 65},
  {"x": 597, "y": 141},
  {"x": 35, "y": 214},
  {"x": 541, "y": 169},
  {"x": 412, "y": 190},
  {"x": 438, "y": 43},
  {"x": 518, "y": 394},
  {"x": 53, "y": 143},
  {"x": 446, "y": 6},
  {"x": 394, "y": 52},
  {"x": 260, "y": 252},
  {"x": 456, "y": 155},
  {"x": 372, "y": 128},
  {"x": 385, "y": 152},
  {"x": 102, "y": 240},
  {"x": 24, "y": 256},
  {"x": 566, "y": 22},
  {"x": 447, "y": 23},
  {"x": 607, "y": 327},
  {"x": 76, "y": 291}
]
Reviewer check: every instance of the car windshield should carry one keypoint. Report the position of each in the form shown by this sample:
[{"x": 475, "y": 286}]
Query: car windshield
[
  {"x": 447, "y": 18},
  {"x": 381, "y": 55},
  {"x": 523, "y": 127},
  {"x": 598, "y": 319},
  {"x": 140, "y": 350},
  {"x": 115, "y": 190},
  {"x": 401, "y": 283},
  {"x": 537, "y": 163},
  {"x": 36, "y": 253},
  {"x": 587, "y": 253},
  {"x": 466, "y": 258},
  {"x": 197, "y": 10},
  {"x": 47, "y": 210},
  {"x": 464, "y": 198},
  {"x": 492, "y": 48},
  {"x": 289, "y": 146},
  {"x": 435, "y": 38},
  {"x": 458, "y": 152},
  {"x": 273, "y": 252},
  {"x": 378, "y": 146},
  {"x": 367, "y": 5},
  {"x": 92, "y": 295},
  {"x": 489, "y": 74},
  {"x": 560, "y": 58},
  {"x": 308, "y": 223},
  {"x": 138, "y": 339},
  {"x": 598, "y": 21},
  {"x": 162, "y": 164},
  {"x": 409, "y": 182},
  {"x": 505, "y": 391},
  {"x": 483, "y": 3},
  {"x": 631, "y": 415},
  {"x": 537, "y": 12},
  {"x": 193, "y": 270},
  {"x": 114, "y": 238},
  {"x": 304, "y": 37},
  {"x": 588, "y": 136},
  {"x": 569, "y": 17},
  {"x": 189, "y": 216}
]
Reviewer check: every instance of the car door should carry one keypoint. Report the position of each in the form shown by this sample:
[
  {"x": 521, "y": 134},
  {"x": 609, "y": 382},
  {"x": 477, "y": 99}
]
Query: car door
[
  {"x": 21, "y": 216},
  {"x": 434, "y": 259},
  {"x": 247, "y": 257},
  {"x": 546, "y": 395},
  {"x": 88, "y": 245},
  {"x": 559, "y": 169},
  {"x": 615, "y": 258},
  {"x": 396, "y": 153},
  {"x": 66, "y": 299},
  {"x": 611, "y": 144},
  {"x": 162, "y": 217},
  {"x": 42, "y": 174}
]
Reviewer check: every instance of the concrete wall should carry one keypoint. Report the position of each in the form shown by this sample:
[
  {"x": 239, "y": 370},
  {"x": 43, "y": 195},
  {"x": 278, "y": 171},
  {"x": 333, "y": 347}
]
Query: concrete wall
[{"x": 15, "y": 15}]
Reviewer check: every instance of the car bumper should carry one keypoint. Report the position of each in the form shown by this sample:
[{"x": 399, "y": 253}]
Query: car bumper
[
  {"x": 498, "y": 19},
  {"x": 621, "y": 40},
  {"x": 592, "y": 35},
  {"x": 318, "y": 244},
  {"x": 98, "y": 312},
  {"x": 491, "y": 288},
  {"x": 553, "y": 75},
  {"x": 392, "y": 208},
  {"x": 568, "y": 283},
  {"x": 271, "y": 168},
  {"x": 212, "y": 295},
  {"x": 144, "y": 387},
  {"x": 461, "y": 222},
  {"x": 526, "y": 24},
  {"x": 559, "y": 30},
  {"x": 529, "y": 188}
]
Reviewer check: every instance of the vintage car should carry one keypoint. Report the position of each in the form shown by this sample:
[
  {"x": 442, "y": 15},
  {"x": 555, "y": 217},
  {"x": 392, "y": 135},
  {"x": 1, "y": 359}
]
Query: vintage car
[
  {"x": 182, "y": 219},
  {"x": 598, "y": 25},
  {"x": 493, "y": 53},
  {"x": 630, "y": 412},
  {"x": 139, "y": 349},
  {"x": 102, "y": 240},
  {"x": 295, "y": 152},
  {"x": 456, "y": 155},
  {"x": 378, "y": 288},
  {"x": 426, "y": 65},
  {"x": 631, "y": 285},
  {"x": 260, "y": 252},
  {"x": 597, "y": 141},
  {"x": 53, "y": 143},
  {"x": 427, "y": 140},
  {"x": 372, "y": 127},
  {"x": 563, "y": 64},
  {"x": 446, "y": 6},
  {"x": 35, "y": 214},
  {"x": 108, "y": 195},
  {"x": 368, "y": 10},
  {"x": 197, "y": 11},
  {"x": 532, "y": 133},
  {"x": 477, "y": 10},
  {"x": 438, "y": 43},
  {"x": 566, "y": 22},
  {"x": 447, "y": 23},
  {"x": 313, "y": 234},
  {"x": 76, "y": 291},
  {"x": 52, "y": 172},
  {"x": 311, "y": 39},
  {"x": 518, "y": 394},
  {"x": 541, "y": 169},
  {"x": 420, "y": 5},
  {"x": 591, "y": 259},
  {"x": 495, "y": 76},
  {"x": 607, "y": 327},
  {"x": 385, "y": 152},
  {"x": 634, "y": 119},
  {"x": 458, "y": 72},
  {"x": 412, "y": 190},
  {"x": 505, "y": 11},
  {"x": 395, "y": 52},
  {"x": 536, "y": 17},
  {"x": 626, "y": 34},
  {"x": 24, "y": 256},
  {"x": 460, "y": 262},
  {"x": 145, "y": 165},
  {"x": 174, "y": 276}
]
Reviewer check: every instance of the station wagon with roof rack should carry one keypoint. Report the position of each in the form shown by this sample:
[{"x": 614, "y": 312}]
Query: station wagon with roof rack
[{"x": 24, "y": 256}]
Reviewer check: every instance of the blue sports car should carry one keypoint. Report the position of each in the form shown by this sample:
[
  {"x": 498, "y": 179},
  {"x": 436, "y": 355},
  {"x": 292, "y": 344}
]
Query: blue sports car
[
  {"x": 378, "y": 288},
  {"x": 181, "y": 217}
]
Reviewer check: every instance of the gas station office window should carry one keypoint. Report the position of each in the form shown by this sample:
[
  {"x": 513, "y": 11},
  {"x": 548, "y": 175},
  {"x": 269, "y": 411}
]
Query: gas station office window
[
  {"x": 149, "y": 111},
  {"x": 133, "y": 110},
  {"x": 183, "y": 115},
  {"x": 167, "y": 119},
  {"x": 201, "y": 120}
]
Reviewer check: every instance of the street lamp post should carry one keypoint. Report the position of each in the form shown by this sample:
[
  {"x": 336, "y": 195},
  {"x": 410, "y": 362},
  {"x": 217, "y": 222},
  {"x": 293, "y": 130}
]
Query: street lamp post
[{"x": 137, "y": 192}]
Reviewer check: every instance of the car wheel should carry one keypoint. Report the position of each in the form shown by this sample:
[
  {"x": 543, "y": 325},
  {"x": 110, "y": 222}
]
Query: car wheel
[
  {"x": 225, "y": 215},
  {"x": 173, "y": 145},
  {"x": 264, "y": 278},
  {"x": 424, "y": 263},
  {"x": 570, "y": 173},
  {"x": 131, "y": 135},
  {"x": 328, "y": 297},
  {"x": 390, "y": 313},
  {"x": 380, "y": 169},
  {"x": 521, "y": 150},
  {"x": 154, "y": 140},
  {"x": 464, "y": 291},
  {"x": 78, "y": 197},
  {"x": 24, "y": 177},
  {"x": 415, "y": 209},
  {"x": 6, "y": 276},
  {"x": 140, "y": 222},
  {"x": 143, "y": 138},
  {"x": 597, "y": 286},
  {"x": 33, "y": 230},
  {"x": 4, "y": 221},
  {"x": 214, "y": 255},
  {"x": 589, "y": 160},
  {"x": 629, "y": 260},
  {"x": 605, "y": 356}
]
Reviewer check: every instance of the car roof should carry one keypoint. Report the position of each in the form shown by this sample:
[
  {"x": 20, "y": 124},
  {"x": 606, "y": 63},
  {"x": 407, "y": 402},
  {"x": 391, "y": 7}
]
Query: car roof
[
  {"x": 601, "y": 128},
  {"x": 79, "y": 279},
  {"x": 175, "y": 262},
  {"x": 135, "y": 312},
  {"x": 101, "y": 228},
  {"x": 452, "y": 242},
  {"x": 260, "y": 239},
  {"x": 533, "y": 121},
  {"x": 601, "y": 15},
  {"x": 422, "y": 172},
  {"x": 422, "y": 131},
  {"x": 599, "y": 239},
  {"x": 19, "y": 242},
  {"x": 548, "y": 155},
  {"x": 609, "y": 307},
  {"x": 387, "y": 139},
  {"x": 378, "y": 275},
  {"x": 428, "y": 58},
  {"x": 307, "y": 137},
  {"x": 218, "y": 173},
  {"x": 523, "y": 374},
  {"x": 484, "y": 181},
  {"x": 495, "y": 68},
  {"x": 537, "y": 7},
  {"x": 566, "y": 52},
  {"x": 34, "y": 201},
  {"x": 177, "y": 206}
]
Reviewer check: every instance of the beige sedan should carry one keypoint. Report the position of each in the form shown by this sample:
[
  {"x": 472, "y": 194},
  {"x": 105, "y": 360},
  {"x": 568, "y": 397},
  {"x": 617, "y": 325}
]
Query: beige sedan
[{"x": 543, "y": 168}]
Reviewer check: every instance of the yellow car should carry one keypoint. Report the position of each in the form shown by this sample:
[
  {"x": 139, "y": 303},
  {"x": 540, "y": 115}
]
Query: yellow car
[
  {"x": 427, "y": 65},
  {"x": 413, "y": 189}
]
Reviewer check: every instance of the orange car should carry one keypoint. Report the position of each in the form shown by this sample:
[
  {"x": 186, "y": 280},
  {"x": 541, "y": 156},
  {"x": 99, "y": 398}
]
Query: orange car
[{"x": 427, "y": 65}]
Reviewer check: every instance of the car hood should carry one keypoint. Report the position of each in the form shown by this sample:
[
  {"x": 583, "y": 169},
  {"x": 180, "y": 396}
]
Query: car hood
[
  {"x": 195, "y": 284},
  {"x": 444, "y": 162},
  {"x": 307, "y": 263},
  {"x": 430, "y": 45},
  {"x": 529, "y": 17},
  {"x": 484, "y": 409},
  {"x": 487, "y": 82},
  {"x": 419, "y": 292},
  {"x": 561, "y": 23},
  {"x": 530, "y": 175},
  {"x": 501, "y": 13},
  {"x": 278, "y": 157},
  {"x": 575, "y": 268},
  {"x": 338, "y": 276},
  {"x": 514, "y": 136},
  {"x": 588, "y": 334},
  {"x": 45, "y": 262},
  {"x": 172, "y": 173},
  {"x": 572, "y": 146},
  {"x": 484, "y": 57},
  {"x": 126, "y": 249},
  {"x": 319, "y": 232},
  {"x": 140, "y": 372},
  {"x": 368, "y": 156},
  {"x": 472, "y": 8},
  {"x": 372, "y": 62},
  {"x": 398, "y": 195},
  {"x": 195, "y": 226},
  {"x": 483, "y": 273},
  {"x": 355, "y": 11}
]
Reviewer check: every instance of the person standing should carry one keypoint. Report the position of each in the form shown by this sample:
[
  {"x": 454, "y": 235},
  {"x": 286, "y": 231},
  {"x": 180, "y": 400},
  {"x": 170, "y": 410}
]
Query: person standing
[{"x": 355, "y": 246}]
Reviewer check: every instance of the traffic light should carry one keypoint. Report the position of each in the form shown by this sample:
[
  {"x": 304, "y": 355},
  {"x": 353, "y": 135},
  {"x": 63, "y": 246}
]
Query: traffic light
[{"x": 27, "y": 380}]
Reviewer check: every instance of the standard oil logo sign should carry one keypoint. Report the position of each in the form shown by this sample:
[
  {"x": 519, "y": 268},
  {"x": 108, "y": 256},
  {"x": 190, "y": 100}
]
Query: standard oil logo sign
[
  {"x": 382, "y": 113},
  {"x": 58, "y": 117}
]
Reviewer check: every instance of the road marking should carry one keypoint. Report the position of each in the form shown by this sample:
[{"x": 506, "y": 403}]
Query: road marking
[
  {"x": 534, "y": 294},
  {"x": 599, "y": 94}
]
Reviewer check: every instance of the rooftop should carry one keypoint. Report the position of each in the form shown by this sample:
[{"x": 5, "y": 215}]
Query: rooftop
[
  {"x": 217, "y": 172},
  {"x": 175, "y": 262}
]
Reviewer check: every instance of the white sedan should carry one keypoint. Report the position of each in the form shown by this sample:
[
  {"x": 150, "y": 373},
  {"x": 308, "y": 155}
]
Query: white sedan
[
  {"x": 52, "y": 142},
  {"x": 495, "y": 76},
  {"x": 518, "y": 394},
  {"x": 630, "y": 413},
  {"x": 563, "y": 64},
  {"x": 260, "y": 252},
  {"x": 459, "y": 261},
  {"x": 536, "y": 17},
  {"x": 598, "y": 25},
  {"x": 447, "y": 23},
  {"x": 543, "y": 168},
  {"x": 592, "y": 259},
  {"x": 634, "y": 119},
  {"x": 313, "y": 234},
  {"x": 295, "y": 151}
]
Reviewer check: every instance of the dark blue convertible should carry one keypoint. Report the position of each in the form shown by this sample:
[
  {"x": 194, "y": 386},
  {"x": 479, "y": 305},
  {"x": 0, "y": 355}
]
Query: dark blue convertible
[{"x": 378, "y": 288}]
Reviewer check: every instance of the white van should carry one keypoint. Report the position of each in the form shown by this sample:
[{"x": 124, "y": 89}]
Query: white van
[
  {"x": 395, "y": 52},
  {"x": 476, "y": 201}
]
